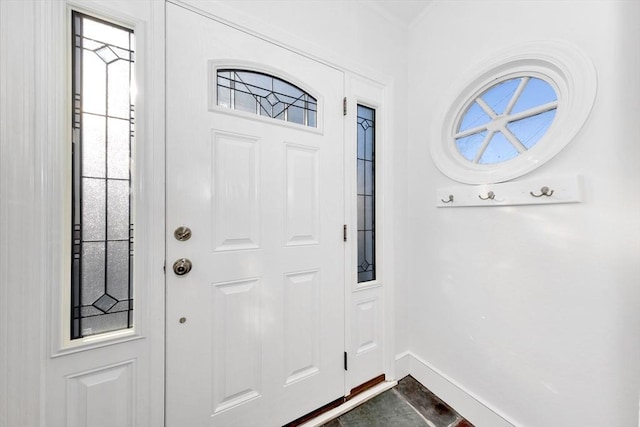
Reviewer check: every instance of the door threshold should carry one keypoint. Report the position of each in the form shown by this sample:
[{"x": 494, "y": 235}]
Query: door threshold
[{"x": 350, "y": 404}]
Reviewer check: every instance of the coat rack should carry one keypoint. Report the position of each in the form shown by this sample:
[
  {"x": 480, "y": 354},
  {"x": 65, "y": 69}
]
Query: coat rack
[{"x": 543, "y": 191}]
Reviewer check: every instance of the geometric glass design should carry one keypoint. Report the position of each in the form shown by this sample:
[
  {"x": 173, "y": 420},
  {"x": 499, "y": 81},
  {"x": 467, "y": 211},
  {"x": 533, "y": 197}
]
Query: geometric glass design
[
  {"x": 105, "y": 303},
  {"x": 366, "y": 183},
  {"x": 102, "y": 140},
  {"x": 266, "y": 95},
  {"x": 506, "y": 120}
]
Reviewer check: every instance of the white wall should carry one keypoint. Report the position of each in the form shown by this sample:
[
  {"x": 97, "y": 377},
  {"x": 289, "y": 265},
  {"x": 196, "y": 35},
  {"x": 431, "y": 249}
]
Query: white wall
[{"x": 532, "y": 309}]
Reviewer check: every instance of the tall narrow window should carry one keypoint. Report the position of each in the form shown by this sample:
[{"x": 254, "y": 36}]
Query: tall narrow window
[
  {"x": 103, "y": 134},
  {"x": 366, "y": 194}
]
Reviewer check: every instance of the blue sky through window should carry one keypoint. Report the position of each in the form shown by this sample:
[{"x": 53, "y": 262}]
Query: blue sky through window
[{"x": 515, "y": 113}]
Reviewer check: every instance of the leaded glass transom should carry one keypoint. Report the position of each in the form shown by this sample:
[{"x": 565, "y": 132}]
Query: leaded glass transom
[
  {"x": 366, "y": 166},
  {"x": 103, "y": 134},
  {"x": 265, "y": 95},
  {"x": 505, "y": 120}
]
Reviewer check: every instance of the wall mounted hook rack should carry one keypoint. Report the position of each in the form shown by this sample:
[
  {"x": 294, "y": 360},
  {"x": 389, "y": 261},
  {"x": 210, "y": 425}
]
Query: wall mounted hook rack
[{"x": 565, "y": 189}]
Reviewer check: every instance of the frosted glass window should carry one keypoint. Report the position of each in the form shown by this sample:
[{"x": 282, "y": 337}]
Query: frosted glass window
[
  {"x": 366, "y": 193},
  {"x": 506, "y": 120},
  {"x": 266, "y": 95},
  {"x": 103, "y": 135}
]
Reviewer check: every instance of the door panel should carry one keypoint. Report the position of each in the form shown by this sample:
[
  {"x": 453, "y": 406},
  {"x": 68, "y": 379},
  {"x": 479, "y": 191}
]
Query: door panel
[{"x": 255, "y": 332}]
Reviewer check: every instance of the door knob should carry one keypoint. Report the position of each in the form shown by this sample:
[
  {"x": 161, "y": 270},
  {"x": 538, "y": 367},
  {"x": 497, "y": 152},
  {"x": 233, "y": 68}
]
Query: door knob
[{"x": 182, "y": 266}]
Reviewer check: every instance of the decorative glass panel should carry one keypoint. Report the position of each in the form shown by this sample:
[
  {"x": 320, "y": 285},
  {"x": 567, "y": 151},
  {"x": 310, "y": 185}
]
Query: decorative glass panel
[
  {"x": 103, "y": 134},
  {"x": 266, "y": 95},
  {"x": 366, "y": 194},
  {"x": 506, "y": 120}
]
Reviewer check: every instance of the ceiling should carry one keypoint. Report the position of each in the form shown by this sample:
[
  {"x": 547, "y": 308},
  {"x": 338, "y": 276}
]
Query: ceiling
[{"x": 403, "y": 10}]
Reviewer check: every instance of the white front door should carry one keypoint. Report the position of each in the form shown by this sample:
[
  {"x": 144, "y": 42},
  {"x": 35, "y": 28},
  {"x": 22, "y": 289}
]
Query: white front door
[{"x": 255, "y": 331}]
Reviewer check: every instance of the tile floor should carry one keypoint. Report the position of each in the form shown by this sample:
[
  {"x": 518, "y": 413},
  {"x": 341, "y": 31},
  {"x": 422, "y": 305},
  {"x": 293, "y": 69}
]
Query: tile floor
[{"x": 409, "y": 404}]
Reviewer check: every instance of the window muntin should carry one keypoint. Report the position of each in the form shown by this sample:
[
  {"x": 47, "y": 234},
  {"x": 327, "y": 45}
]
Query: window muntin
[
  {"x": 366, "y": 191},
  {"x": 505, "y": 120},
  {"x": 103, "y": 135},
  {"x": 265, "y": 95}
]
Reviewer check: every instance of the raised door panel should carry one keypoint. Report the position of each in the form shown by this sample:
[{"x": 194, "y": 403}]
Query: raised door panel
[
  {"x": 365, "y": 342},
  {"x": 366, "y": 329},
  {"x": 301, "y": 325},
  {"x": 302, "y": 205},
  {"x": 102, "y": 398},
  {"x": 237, "y": 343},
  {"x": 236, "y": 207}
]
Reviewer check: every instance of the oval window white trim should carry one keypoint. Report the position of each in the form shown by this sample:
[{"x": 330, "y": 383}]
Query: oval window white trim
[{"x": 564, "y": 66}]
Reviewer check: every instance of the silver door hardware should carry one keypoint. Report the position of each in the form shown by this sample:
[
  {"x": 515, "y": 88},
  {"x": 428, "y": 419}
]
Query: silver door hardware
[
  {"x": 182, "y": 266},
  {"x": 490, "y": 196},
  {"x": 544, "y": 191},
  {"x": 182, "y": 233}
]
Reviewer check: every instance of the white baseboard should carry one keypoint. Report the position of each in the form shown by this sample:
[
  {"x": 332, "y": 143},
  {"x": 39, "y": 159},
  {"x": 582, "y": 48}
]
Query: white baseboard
[
  {"x": 403, "y": 364},
  {"x": 471, "y": 407}
]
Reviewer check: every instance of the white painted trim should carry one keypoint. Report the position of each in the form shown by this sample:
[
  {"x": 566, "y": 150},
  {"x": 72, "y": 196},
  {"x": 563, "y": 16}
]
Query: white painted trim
[
  {"x": 564, "y": 66},
  {"x": 227, "y": 15},
  {"x": 387, "y": 199},
  {"x": 22, "y": 283},
  {"x": 59, "y": 169},
  {"x": 375, "y": 95},
  {"x": 156, "y": 167},
  {"x": 52, "y": 169},
  {"x": 456, "y": 395},
  {"x": 402, "y": 364}
]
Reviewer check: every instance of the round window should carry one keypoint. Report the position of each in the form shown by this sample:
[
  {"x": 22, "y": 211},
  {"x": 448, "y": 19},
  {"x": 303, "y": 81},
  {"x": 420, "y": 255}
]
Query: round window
[
  {"x": 514, "y": 113},
  {"x": 505, "y": 120}
]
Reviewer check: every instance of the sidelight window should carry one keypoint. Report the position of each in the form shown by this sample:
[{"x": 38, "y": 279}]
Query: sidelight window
[
  {"x": 103, "y": 136},
  {"x": 266, "y": 95},
  {"x": 366, "y": 184}
]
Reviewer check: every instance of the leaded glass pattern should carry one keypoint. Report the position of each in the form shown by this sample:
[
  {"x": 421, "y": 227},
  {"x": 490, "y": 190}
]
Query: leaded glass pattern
[
  {"x": 506, "y": 120},
  {"x": 366, "y": 184},
  {"x": 103, "y": 134},
  {"x": 266, "y": 95}
]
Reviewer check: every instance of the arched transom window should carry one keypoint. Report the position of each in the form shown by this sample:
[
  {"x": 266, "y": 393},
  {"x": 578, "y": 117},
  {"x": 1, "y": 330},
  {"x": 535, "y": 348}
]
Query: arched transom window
[{"x": 265, "y": 95}]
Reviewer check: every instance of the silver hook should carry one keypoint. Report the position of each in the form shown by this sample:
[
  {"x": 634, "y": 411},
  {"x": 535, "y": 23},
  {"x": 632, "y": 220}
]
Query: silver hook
[
  {"x": 450, "y": 200},
  {"x": 544, "y": 191},
  {"x": 490, "y": 196}
]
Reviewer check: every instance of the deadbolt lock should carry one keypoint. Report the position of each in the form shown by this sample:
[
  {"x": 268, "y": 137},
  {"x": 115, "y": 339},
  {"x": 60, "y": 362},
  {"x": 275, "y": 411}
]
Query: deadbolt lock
[
  {"x": 182, "y": 266},
  {"x": 182, "y": 233}
]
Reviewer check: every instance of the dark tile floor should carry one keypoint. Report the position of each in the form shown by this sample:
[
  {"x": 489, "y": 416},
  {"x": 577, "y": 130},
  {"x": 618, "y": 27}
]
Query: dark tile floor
[{"x": 409, "y": 404}]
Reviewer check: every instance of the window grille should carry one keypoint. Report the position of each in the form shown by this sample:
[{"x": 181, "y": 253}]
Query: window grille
[
  {"x": 103, "y": 135},
  {"x": 507, "y": 119},
  {"x": 366, "y": 168},
  {"x": 266, "y": 95}
]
